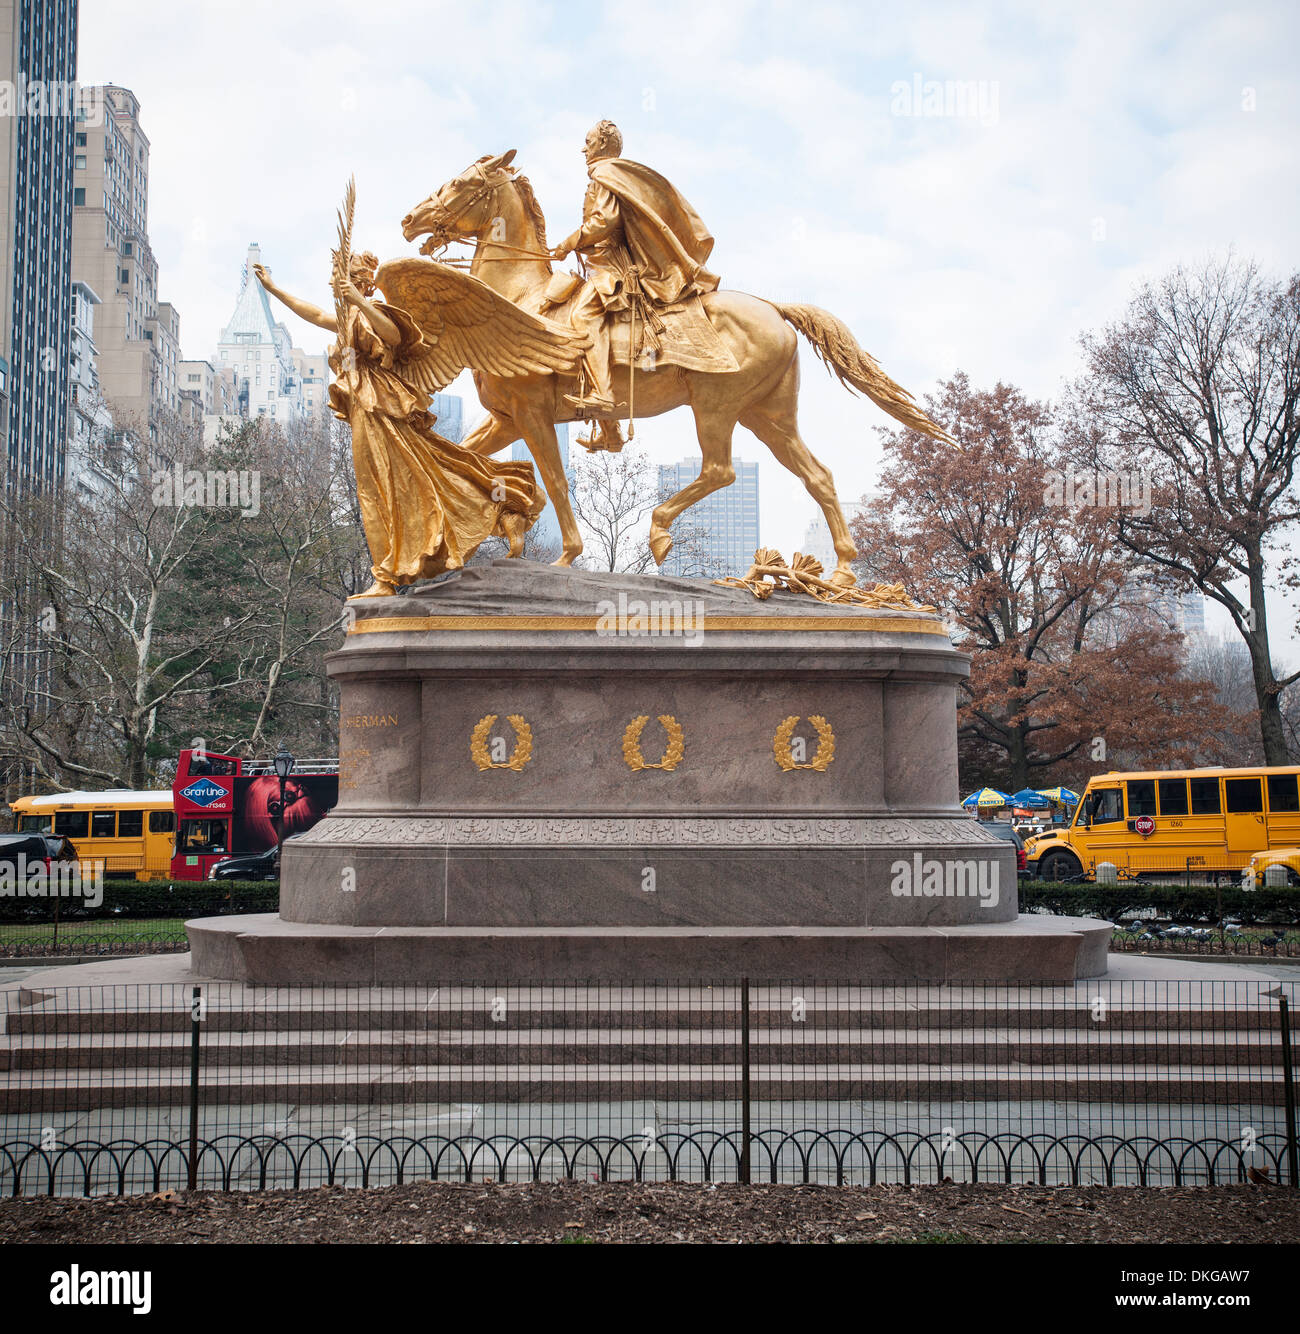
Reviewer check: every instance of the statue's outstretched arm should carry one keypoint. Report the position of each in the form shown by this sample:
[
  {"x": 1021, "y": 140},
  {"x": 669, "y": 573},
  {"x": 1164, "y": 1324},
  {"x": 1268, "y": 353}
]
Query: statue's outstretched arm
[
  {"x": 384, "y": 328},
  {"x": 303, "y": 309}
]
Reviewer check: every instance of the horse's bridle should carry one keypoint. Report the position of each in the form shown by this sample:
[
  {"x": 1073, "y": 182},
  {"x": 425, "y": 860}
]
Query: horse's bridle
[{"x": 440, "y": 233}]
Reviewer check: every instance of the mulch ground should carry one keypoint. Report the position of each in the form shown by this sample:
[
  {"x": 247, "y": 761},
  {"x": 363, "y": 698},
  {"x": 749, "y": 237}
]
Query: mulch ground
[{"x": 617, "y": 1212}]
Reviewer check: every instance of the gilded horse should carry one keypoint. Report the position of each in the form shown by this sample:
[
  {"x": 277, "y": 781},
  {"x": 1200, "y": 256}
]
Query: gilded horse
[{"x": 492, "y": 206}]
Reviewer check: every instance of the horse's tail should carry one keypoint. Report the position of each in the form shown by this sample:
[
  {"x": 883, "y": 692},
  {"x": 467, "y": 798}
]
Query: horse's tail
[{"x": 857, "y": 369}]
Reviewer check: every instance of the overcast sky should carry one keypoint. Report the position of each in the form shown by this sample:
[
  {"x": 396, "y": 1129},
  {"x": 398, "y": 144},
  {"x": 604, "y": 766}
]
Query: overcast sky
[{"x": 1110, "y": 141}]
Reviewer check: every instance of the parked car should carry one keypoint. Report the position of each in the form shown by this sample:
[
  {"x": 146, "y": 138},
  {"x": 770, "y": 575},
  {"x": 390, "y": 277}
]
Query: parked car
[
  {"x": 33, "y": 848},
  {"x": 1007, "y": 833},
  {"x": 250, "y": 866}
]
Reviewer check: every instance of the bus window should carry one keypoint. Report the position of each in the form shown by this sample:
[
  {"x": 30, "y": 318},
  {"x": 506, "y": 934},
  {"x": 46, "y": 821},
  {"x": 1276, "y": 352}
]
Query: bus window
[
  {"x": 33, "y": 824},
  {"x": 1205, "y": 796},
  {"x": 202, "y": 837},
  {"x": 1141, "y": 797},
  {"x": 1282, "y": 795},
  {"x": 72, "y": 824},
  {"x": 103, "y": 824},
  {"x": 1244, "y": 797},
  {"x": 1107, "y": 808},
  {"x": 1173, "y": 796},
  {"x": 162, "y": 822},
  {"x": 130, "y": 824}
]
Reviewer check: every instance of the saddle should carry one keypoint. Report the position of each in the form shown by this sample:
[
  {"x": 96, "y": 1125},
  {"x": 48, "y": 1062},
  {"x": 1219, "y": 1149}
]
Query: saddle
[{"x": 676, "y": 335}]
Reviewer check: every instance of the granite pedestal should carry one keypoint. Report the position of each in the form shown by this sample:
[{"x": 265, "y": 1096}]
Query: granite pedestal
[{"x": 555, "y": 774}]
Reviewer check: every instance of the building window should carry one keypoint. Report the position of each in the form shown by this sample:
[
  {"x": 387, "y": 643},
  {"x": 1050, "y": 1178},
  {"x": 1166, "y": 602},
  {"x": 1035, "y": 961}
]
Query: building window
[
  {"x": 79, "y": 162},
  {"x": 79, "y": 196}
]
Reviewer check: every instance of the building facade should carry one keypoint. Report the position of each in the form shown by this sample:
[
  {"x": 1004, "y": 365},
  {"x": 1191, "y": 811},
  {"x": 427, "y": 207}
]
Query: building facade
[
  {"x": 726, "y": 522},
  {"x": 38, "y": 66},
  {"x": 137, "y": 334},
  {"x": 90, "y": 424}
]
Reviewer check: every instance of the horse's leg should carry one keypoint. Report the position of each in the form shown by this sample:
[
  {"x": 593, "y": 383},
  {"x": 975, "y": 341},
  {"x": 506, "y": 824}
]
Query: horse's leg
[
  {"x": 535, "y": 421},
  {"x": 775, "y": 422},
  {"x": 494, "y": 432},
  {"x": 713, "y": 427}
]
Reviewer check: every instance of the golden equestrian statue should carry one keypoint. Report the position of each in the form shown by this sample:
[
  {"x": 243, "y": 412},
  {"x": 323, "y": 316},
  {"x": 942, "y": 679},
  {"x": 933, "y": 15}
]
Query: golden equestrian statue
[{"x": 659, "y": 332}]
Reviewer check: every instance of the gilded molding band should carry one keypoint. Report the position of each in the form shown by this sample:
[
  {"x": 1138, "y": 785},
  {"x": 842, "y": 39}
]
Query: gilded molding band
[{"x": 375, "y": 625}]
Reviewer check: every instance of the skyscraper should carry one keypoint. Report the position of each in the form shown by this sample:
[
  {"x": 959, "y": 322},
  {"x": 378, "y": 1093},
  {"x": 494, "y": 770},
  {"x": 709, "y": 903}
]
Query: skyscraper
[
  {"x": 257, "y": 347},
  {"x": 136, "y": 334},
  {"x": 726, "y": 522},
  {"x": 38, "y": 64}
]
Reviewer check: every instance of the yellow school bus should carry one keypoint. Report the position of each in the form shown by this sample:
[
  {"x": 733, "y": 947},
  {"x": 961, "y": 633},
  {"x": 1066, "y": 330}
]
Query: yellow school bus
[
  {"x": 131, "y": 833},
  {"x": 1202, "y": 824}
]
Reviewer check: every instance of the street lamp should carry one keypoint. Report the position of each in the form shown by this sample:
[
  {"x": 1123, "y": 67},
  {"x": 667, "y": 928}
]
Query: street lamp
[{"x": 283, "y": 762}]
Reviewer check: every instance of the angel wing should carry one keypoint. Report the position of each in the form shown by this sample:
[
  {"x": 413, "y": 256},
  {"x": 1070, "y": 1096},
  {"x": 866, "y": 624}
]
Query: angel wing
[{"x": 466, "y": 324}]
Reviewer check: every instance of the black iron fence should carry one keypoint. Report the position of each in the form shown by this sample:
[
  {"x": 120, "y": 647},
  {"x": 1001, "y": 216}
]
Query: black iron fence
[{"x": 224, "y": 1086}]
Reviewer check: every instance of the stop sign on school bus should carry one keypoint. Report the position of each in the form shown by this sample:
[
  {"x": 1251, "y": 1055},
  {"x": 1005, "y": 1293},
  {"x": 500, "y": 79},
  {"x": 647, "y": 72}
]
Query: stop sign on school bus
[{"x": 1145, "y": 825}]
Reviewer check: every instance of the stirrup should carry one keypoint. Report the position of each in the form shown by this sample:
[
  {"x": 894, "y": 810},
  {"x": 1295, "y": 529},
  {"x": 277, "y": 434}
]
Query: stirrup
[{"x": 609, "y": 440}]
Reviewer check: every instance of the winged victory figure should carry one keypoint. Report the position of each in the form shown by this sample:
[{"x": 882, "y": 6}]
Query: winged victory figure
[{"x": 426, "y": 504}]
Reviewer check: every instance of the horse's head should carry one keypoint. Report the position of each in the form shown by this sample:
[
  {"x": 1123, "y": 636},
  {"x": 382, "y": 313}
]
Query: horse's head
[{"x": 463, "y": 207}]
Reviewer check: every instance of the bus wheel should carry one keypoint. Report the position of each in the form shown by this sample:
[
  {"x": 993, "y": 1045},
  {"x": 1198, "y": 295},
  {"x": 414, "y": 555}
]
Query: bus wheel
[{"x": 1059, "y": 866}]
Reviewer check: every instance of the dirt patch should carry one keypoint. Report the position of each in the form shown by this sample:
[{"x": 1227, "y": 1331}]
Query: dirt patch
[{"x": 576, "y": 1212}]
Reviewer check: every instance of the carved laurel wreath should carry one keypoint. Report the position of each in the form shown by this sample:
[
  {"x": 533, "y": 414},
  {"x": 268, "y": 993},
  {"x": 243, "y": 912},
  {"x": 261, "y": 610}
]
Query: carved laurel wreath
[
  {"x": 522, "y": 753},
  {"x": 825, "y": 744},
  {"x": 673, "y": 753}
]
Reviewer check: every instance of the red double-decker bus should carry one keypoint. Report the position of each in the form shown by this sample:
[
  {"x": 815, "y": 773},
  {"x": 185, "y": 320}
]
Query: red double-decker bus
[{"x": 226, "y": 807}]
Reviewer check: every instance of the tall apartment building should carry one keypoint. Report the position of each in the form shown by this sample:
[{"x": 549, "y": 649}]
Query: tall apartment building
[
  {"x": 727, "y": 520},
  {"x": 38, "y": 64},
  {"x": 138, "y": 336}
]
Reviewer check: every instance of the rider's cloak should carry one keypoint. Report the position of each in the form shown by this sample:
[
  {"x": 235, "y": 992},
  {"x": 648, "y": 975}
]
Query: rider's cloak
[{"x": 666, "y": 238}]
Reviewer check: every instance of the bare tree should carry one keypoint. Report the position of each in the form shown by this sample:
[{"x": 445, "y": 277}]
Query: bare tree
[
  {"x": 97, "y": 595},
  {"x": 1197, "y": 389},
  {"x": 612, "y": 497}
]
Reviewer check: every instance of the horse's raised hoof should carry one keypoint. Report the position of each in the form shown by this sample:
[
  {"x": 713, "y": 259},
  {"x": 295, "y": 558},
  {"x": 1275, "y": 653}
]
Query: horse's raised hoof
[
  {"x": 843, "y": 578},
  {"x": 661, "y": 543},
  {"x": 568, "y": 558}
]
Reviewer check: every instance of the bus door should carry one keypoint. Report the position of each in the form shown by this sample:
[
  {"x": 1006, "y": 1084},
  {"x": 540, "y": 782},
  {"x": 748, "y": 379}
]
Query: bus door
[
  {"x": 1106, "y": 839},
  {"x": 1243, "y": 810},
  {"x": 1146, "y": 852},
  {"x": 1283, "y": 811}
]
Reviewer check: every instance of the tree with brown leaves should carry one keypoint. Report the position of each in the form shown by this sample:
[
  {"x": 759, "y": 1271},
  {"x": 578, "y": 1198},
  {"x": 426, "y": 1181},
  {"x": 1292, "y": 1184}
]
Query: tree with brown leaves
[{"x": 1069, "y": 662}]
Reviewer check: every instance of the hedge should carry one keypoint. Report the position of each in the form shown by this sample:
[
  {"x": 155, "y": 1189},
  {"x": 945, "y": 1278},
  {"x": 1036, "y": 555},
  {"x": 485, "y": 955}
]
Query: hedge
[
  {"x": 1175, "y": 903},
  {"x": 152, "y": 899}
]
